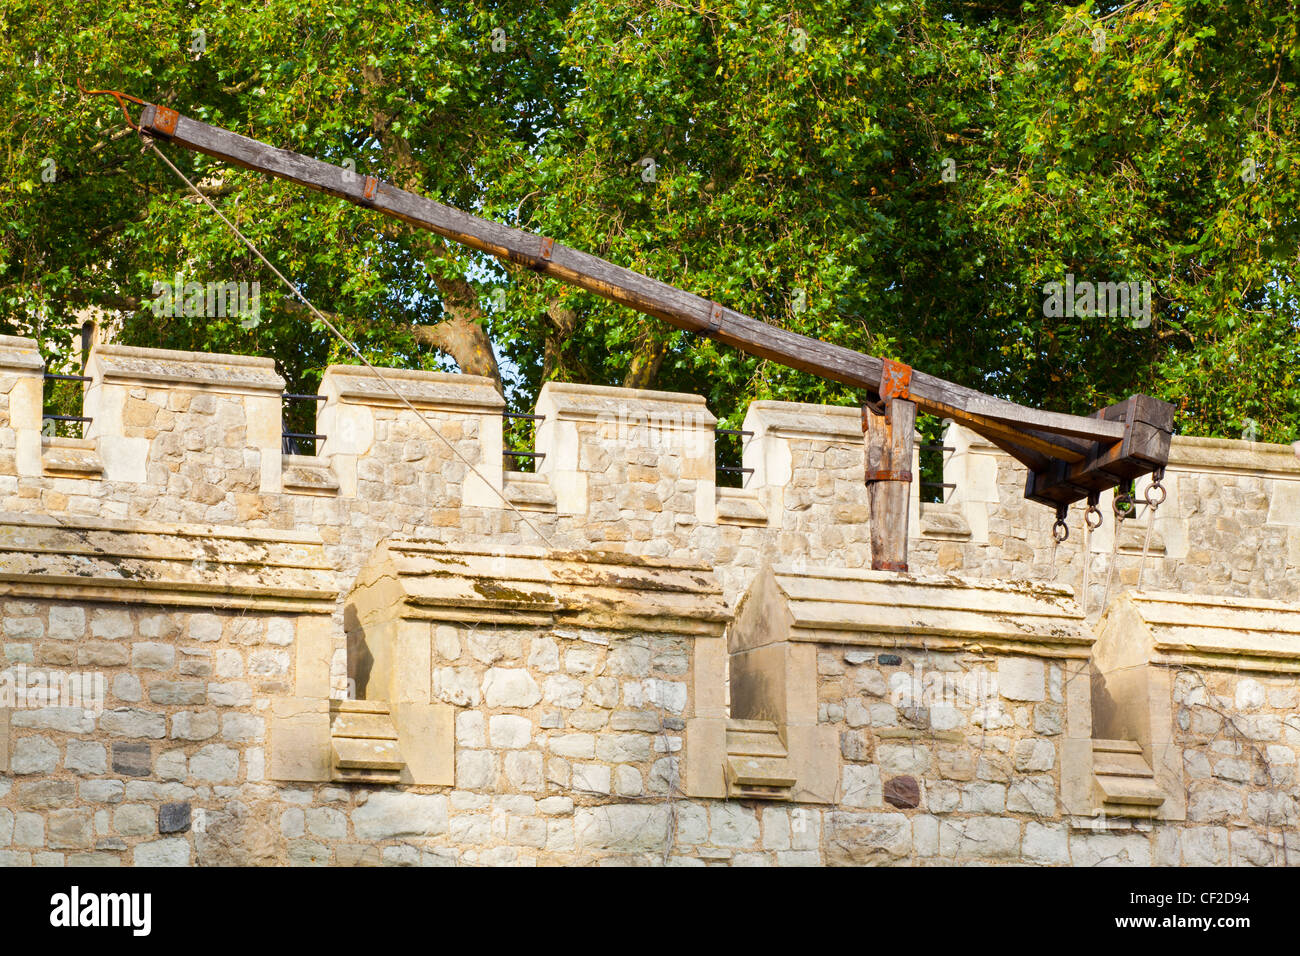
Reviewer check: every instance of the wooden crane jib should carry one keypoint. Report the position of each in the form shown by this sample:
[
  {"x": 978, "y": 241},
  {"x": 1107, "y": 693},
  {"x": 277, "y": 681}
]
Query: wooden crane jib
[{"x": 1069, "y": 457}]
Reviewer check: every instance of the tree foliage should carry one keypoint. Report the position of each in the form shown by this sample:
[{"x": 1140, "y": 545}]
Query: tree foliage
[{"x": 899, "y": 178}]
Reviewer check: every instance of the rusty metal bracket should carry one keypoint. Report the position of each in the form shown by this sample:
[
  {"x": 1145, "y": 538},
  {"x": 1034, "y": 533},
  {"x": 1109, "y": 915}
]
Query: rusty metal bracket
[
  {"x": 368, "y": 190},
  {"x": 548, "y": 244},
  {"x": 888, "y": 474},
  {"x": 889, "y": 566},
  {"x": 715, "y": 319},
  {"x": 164, "y": 120},
  {"x": 895, "y": 377}
]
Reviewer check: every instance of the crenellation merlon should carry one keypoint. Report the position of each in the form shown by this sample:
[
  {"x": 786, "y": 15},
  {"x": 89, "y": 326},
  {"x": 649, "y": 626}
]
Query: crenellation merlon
[
  {"x": 172, "y": 410},
  {"x": 374, "y": 434},
  {"x": 617, "y": 451},
  {"x": 22, "y": 382}
]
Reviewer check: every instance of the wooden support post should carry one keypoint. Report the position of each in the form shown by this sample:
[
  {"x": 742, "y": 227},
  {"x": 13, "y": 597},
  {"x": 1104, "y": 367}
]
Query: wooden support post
[{"x": 889, "y": 480}]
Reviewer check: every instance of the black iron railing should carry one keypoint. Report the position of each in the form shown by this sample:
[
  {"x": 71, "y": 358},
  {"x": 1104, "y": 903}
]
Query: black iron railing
[
  {"x": 52, "y": 429},
  {"x": 518, "y": 456},
  {"x": 289, "y": 439},
  {"x": 733, "y": 469}
]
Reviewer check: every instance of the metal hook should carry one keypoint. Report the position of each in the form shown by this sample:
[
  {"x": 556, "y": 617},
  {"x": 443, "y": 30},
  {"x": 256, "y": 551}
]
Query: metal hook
[{"x": 117, "y": 95}]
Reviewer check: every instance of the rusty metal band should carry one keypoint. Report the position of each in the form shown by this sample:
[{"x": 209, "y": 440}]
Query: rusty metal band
[
  {"x": 548, "y": 244},
  {"x": 888, "y": 474},
  {"x": 164, "y": 120},
  {"x": 715, "y": 319},
  {"x": 368, "y": 191},
  {"x": 895, "y": 377},
  {"x": 889, "y": 565}
]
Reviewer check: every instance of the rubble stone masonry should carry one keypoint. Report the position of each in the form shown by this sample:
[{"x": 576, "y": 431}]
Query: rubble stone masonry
[{"x": 401, "y": 652}]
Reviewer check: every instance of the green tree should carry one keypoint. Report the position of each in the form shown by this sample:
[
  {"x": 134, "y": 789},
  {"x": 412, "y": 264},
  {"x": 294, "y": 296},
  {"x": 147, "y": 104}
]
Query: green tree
[{"x": 899, "y": 178}]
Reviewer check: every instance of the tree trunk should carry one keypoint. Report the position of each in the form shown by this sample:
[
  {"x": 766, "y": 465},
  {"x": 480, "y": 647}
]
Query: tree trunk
[
  {"x": 646, "y": 361},
  {"x": 462, "y": 335},
  {"x": 466, "y": 342}
]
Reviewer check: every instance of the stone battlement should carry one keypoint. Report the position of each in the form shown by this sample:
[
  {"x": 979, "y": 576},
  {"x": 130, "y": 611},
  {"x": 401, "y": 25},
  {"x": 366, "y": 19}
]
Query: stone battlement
[
  {"x": 379, "y": 654},
  {"x": 198, "y": 438}
]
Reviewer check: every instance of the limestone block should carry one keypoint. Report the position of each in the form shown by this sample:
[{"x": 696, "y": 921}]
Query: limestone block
[
  {"x": 22, "y": 370},
  {"x": 1046, "y": 843},
  {"x": 313, "y": 653},
  {"x": 483, "y": 488},
  {"x": 979, "y": 838},
  {"x": 1076, "y": 775},
  {"x": 300, "y": 739},
  {"x": 867, "y": 839},
  {"x": 706, "y": 755},
  {"x": 814, "y": 757},
  {"x": 1078, "y": 699},
  {"x": 262, "y": 412},
  {"x": 412, "y": 665},
  {"x": 1021, "y": 678},
  {"x": 710, "y": 677},
  {"x": 628, "y": 827},
  {"x": 426, "y": 737},
  {"x": 1284, "y": 504},
  {"x": 510, "y": 687},
  {"x": 1110, "y": 849},
  {"x": 973, "y": 468}
]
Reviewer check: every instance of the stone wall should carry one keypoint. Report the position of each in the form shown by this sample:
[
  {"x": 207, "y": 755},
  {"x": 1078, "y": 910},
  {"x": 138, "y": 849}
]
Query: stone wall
[
  {"x": 1230, "y": 524},
  {"x": 216, "y": 590}
]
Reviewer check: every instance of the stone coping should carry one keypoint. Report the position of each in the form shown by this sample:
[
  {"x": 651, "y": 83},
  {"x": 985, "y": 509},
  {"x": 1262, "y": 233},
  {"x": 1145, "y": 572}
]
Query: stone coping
[
  {"x": 134, "y": 526},
  {"x": 427, "y": 391},
  {"x": 934, "y": 612},
  {"x": 803, "y": 420},
  {"x": 170, "y": 564},
  {"x": 127, "y": 365},
  {"x": 1231, "y": 456},
  {"x": 427, "y": 580},
  {"x": 630, "y": 406},
  {"x": 17, "y": 352},
  {"x": 1174, "y": 630}
]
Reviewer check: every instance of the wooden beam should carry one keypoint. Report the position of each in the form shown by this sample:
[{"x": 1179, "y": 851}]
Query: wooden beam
[
  {"x": 650, "y": 296},
  {"x": 1148, "y": 431},
  {"x": 1033, "y": 460},
  {"x": 1037, "y": 436}
]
